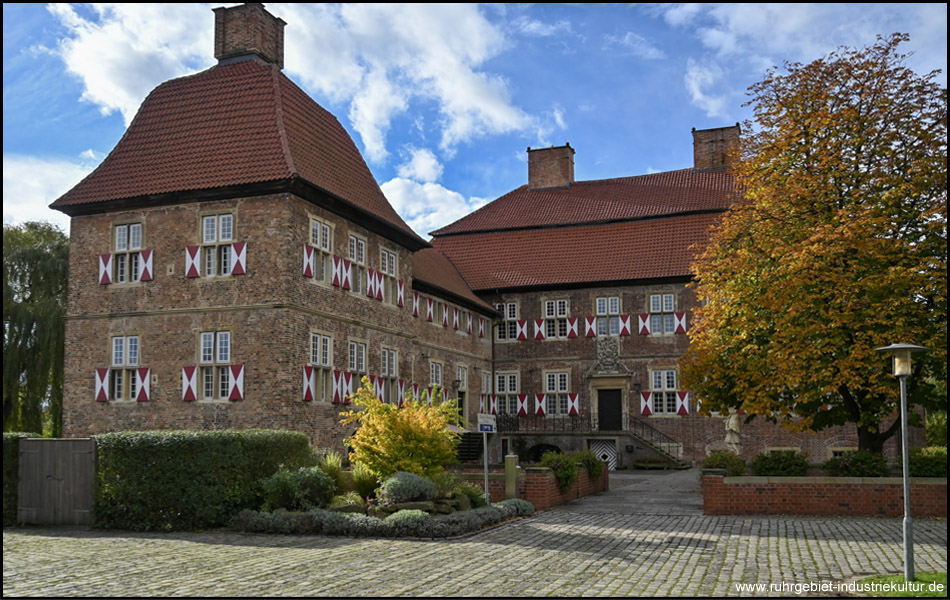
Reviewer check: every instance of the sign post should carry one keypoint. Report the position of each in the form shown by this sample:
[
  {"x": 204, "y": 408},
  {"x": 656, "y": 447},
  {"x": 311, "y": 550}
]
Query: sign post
[{"x": 486, "y": 424}]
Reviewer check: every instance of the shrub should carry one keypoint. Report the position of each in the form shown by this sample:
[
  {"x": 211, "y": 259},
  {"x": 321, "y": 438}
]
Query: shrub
[
  {"x": 331, "y": 463},
  {"x": 167, "y": 480},
  {"x": 784, "y": 463},
  {"x": 303, "y": 489},
  {"x": 937, "y": 428},
  {"x": 347, "y": 499},
  {"x": 928, "y": 462},
  {"x": 407, "y": 487},
  {"x": 857, "y": 464},
  {"x": 516, "y": 507},
  {"x": 731, "y": 463},
  {"x": 476, "y": 495},
  {"x": 364, "y": 481},
  {"x": 589, "y": 460},
  {"x": 411, "y": 516},
  {"x": 445, "y": 483},
  {"x": 11, "y": 474},
  {"x": 414, "y": 437},
  {"x": 564, "y": 467}
]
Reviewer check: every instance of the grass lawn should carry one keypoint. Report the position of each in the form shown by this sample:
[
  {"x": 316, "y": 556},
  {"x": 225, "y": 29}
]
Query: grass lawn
[{"x": 894, "y": 586}]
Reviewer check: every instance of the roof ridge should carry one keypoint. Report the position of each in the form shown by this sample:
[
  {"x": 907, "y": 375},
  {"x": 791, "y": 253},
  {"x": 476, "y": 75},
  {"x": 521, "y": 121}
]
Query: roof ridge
[{"x": 281, "y": 123}]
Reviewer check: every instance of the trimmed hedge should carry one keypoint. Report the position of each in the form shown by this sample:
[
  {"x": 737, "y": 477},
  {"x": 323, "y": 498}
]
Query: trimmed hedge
[
  {"x": 173, "y": 480},
  {"x": 784, "y": 463},
  {"x": 408, "y": 524},
  {"x": 11, "y": 474},
  {"x": 723, "y": 459},
  {"x": 928, "y": 462},
  {"x": 856, "y": 464}
]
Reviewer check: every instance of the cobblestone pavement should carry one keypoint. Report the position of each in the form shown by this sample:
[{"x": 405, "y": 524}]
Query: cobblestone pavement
[{"x": 577, "y": 550}]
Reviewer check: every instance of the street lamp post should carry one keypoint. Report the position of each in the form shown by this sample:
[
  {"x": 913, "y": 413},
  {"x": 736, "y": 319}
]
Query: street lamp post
[{"x": 901, "y": 354}]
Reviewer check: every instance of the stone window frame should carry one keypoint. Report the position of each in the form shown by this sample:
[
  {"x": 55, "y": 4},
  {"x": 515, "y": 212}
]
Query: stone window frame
[
  {"x": 561, "y": 405},
  {"x": 123, "y": 373},
  {"x": 555, "y": 321},
  {"x": 321, "y": 359},
  {"x": 662, "y": 308},
  {"x": 126, "y": 257},
  {"x": 607, "y": 315},
  {"x": 216, "y": 252},
  {"x": 215, "y": 371},
  {"x": 356, "y": 251},
  {"x": 664, "y": 396},
  {"x": 389, "y": 268},
  {"x": 507, "y": 328},
  {"x": 323, "y": 248},
  {"x": 389, "y": 369},
  {"x": 357, "y": 356},
  {"x": 507, "y": 398}
]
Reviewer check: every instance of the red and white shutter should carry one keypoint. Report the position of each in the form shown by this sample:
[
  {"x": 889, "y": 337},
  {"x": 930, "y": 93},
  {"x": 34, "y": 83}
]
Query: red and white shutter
[
  {"x": 105, "y": 269},
  {"x": 309, "y": 383},
  {"x": 540, "y": 404},
  {"x": 309, "y": 262},
  {"x": 522, "y": 405},
  {"x": 416, "y": 392},
  {"x": 378, "y": 387},
  {"x": 572, "y": 407},
  {"x": 337, "y": 278},
  {"x": 401, "y": 392},
  {"x": 481, "y": 404},
  {"x": 469, "y": 320},
  {"x": 682, "y": 403},
  {"x": 624, "y": 324},
  {"x": 380, "y": 286},
  {"x": 455, "y": 318},
  {"x": 680, "y": 320},
  {"x": 493, "y": 404},
  {"x": 371, "y": 283},
  {"x": 145, "y": 266},
  {"x": 102, "y": 385},
  {"x": 400, "y": 293},
  {"x": 346, "y": 274},
  {"x": 415, "y": 304},
  {"x": 238, "y": 258},
  {"x": 572, "y": 327},
  {"x": 193, "y": 261},
  {"x": 337, "y": 386},
  {"x": 643, "y": 323},
  {"x": 189, "y": 384},
  {"x": 347, "y": 387},
  {"x": 481, "y": 327},
  {"x": 445, "y": 316},
  {"x": 646, "y": 404},
  {"x": 237, "y": 382},
  {"x": 539, "y": 329},
  {"x": 523, "y": 330},
  {"x": 145, "y": 384},
  {"x": 429, "y": 309},
  {"x": 590, "y": 326}
]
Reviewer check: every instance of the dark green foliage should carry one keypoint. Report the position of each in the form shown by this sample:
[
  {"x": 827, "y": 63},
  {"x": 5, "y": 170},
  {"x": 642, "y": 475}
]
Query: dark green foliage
[
  {"x": 928, "y": 462},
  {"x": 937, "y": 428},
  {"x": 11, "y": 474},
  {"x": 172, "y": 480},
  {"x": 588, "y": 460},
  {"x": 784, "y": 463},
  {"x": 303, "y": 489},
  {"x": 476, "y": 495},
  {"x": 364, "y": 481},
  {"x": 408, "y": 523},
  {"x": 331, "y": 463},
  {"x": 857, "y": 464},
  {"x": 564, "y": 467},
  {"x": 731, "y": 463},
  {"x": 407, "y": 487},
  {"x": 35, "y": 277}
]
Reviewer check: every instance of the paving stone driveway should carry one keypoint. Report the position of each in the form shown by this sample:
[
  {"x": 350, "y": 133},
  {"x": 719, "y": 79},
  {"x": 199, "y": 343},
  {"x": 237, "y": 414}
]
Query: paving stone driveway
[{"x": 581, "y": 549}]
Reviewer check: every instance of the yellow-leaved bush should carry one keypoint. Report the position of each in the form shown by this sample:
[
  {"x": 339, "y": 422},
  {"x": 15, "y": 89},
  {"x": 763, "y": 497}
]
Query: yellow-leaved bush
[{"x": 416, "y": 437}]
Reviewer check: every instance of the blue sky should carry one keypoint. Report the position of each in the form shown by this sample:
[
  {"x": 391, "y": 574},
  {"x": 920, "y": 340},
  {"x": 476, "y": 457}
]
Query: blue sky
[{"x": 442, "y": 100}]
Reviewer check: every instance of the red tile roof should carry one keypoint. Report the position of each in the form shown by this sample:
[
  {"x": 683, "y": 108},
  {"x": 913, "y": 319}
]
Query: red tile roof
[
  {"x": 432, "y": 267},
  {"x": 234, "y": 124},
  {"x": 625, "y": 251},
  {"x": 602, "y": 200}
]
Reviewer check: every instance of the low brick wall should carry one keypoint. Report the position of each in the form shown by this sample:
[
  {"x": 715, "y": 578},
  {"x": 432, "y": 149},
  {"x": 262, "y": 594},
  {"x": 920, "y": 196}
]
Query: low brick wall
[
  {"x": 538, "y": 485},
  {"x": 851, "y": 496}
]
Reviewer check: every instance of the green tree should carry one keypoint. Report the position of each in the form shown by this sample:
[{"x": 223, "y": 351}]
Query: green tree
[
  {"x": 35, "y": 275},
  {"x": 838, "y": 247}
]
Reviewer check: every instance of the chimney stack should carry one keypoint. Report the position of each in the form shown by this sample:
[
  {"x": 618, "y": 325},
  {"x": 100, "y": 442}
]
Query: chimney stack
[
  {"x": 248, "y": 30},
  {"x": 550, "y": 167},
  {"x": 715, "y": 148}
]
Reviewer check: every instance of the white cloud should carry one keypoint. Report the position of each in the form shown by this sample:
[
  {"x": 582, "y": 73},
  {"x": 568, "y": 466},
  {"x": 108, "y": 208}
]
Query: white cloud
[
  {"x": 30, "y": 184},
  {"x": 422, "y": 166},
  {"x": 535, "y": 28},
  {"x": 699, "y": 79},
  {"x": 428, "y": 206},
  {"x": 637, "y": 45}
]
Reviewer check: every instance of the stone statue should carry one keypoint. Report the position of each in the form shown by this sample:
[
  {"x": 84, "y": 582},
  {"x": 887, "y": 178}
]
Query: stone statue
[{"x": 733, "y": 422}]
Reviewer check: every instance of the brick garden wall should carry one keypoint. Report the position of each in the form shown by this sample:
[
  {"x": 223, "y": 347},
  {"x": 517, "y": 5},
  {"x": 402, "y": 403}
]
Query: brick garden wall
[
  {"x": 850, "y": 496},
  {"x": 538, "y": 486}
]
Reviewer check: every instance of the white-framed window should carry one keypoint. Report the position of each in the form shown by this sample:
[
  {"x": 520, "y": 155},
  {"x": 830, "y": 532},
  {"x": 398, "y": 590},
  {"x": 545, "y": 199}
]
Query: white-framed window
[
  {"x": 555, "y": 318},
  {"x": 506, "y": 390},
  {"x": 127, "y": 249},
  {"x": 357, "y": 357},
  {"x": 557, "y": 386},
  {"x": 508, "y": 327},
  {"x": 608, "y": 315},
  {"x": 357, "y": 252},
  {"x": 388, "y": 266},
  {"x": 321, "y": 238},
  {"x": 486, "y": 384},
  {"x": 663, "y": 391},
  {"x": 662, "y": 319},
  {"x": 435, "y": 374},
  {"x": 123, "y": 374},
  {"x": 217, "y": 235},
  {"x": 389, "y": 360},
  {"x": 321, "y": 358},
  {"x": 214, "y": 356}
]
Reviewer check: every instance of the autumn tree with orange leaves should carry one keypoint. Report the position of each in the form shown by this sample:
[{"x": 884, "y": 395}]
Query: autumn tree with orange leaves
[{"x": 838, "y": 247}]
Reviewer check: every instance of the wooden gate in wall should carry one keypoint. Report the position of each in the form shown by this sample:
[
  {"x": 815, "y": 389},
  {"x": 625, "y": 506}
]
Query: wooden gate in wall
[{"x": 56, "y": 481}]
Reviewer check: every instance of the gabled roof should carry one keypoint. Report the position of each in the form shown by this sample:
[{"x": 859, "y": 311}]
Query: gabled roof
[
  {"x": 432, "y": 271},
  {"x": 673, "y": 192},
  {"x": 234, "y": 124}
]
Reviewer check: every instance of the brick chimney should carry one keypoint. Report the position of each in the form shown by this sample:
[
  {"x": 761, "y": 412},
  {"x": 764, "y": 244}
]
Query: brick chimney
[
  {"x": 248, "y": 30},
  {"x": 550, "y": 167},
  {"x": 715, "y": 148}
]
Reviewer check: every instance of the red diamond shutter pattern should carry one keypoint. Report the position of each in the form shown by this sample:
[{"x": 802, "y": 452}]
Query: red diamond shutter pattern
[
  {"x": 238, "y": 258},
  {"x": 145, "y": 384},
  {"x": 237, "y": 382},
  {"x": 429, "y": 309},
  {"x": 572, "y": 407},
  {"x": 346, "y": 275},
  {"x": 523, "y": 330},
  {"x": 481, "y": 404},
  {"x": 468, "y": 327},
  {"x": 682, "y": 403},
  {"x": 680, "y": 320},
  {"x": 572, "y": 327},
  {"x": 337, "y": 386},
  {"x": 337, "y": 279},
  {"x": 625, "y": 325},
  {"x": 105, "y": 269},
  {"x": 540, "y": 404},
  {"x": 309, "y": 263},
  {"x": 481, "y": 327},
  {"x": 522, "y": 405},
  {"x": 347, "y": 387},
  {"x": 539, "y": 329},
  {"x": 189, "y": 384},
  {"x": 102, "y": 385},
  {"x": 445, "y": 316},
  {"x": 380, "y": 286},
  {"x": 145, "y": 266},
  {"x": 400, "y": 293},
  {"x": 590, "y": 326},
  {"x": 493, "y": 404},
  {"x": 193, "y": 261},
  {"x": 646, "y": 404},
  {"x": 309, "y": 383},
  {"x": 371, "y": 283},
  {"x": 643, "y": 323}
]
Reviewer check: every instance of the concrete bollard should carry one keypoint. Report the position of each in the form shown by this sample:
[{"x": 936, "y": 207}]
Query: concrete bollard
[{"x": 511, "y": 476}]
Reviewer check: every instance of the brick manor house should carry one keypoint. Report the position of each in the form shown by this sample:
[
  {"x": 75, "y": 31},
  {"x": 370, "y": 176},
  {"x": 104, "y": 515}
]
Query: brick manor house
[{"x": 234, "y": 264}]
